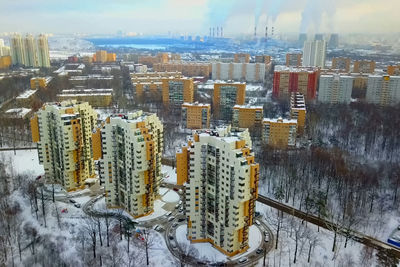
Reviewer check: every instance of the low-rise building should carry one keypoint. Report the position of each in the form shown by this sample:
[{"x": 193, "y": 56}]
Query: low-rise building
[
  {"x": 293, "y": 60},
  {"x": 26, "y": 98},
  {"x": 245, "y": 72},
  {"x": 241, "y": 58},
  {"x": 289, "y": 79},
  {"x": 220, "y": 176},
  {"x": 298, "y": 111},
  {"x": 176, "y": 91},
  {"x": 266, "y": 59},
  {"x": 92, "y": 81},
  {"x": 130, "y": 167},
  {"x": 364, "y": 66},
  {"x": 335, "y": 88},
  {"x": 341, "y": 63},
  {"x": 226, "y": 96},
  {"x": 5, "y": 62},
  {"x": 393, "y": 70},
  {"x": 247, "y": 116},
  {"x": 196, "y": 115},
  {"x": 279, "y": 133},
  {"x": 189, "y": 69},
  {"x": 95, "y": 97},
  {"x": 383, "y": 90},
  {"x": 40, "y": 82}
]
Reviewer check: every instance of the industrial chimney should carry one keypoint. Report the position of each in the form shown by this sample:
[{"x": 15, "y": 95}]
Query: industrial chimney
[
  {"x": 217, "y": 32},
  {"x": 213, "y": 35},
  {"x": 266, "y": 32},
  {"x": 255, "y": 31},
  {"x": 272, "y": 31},
  {"x": 222, "y": 32}
]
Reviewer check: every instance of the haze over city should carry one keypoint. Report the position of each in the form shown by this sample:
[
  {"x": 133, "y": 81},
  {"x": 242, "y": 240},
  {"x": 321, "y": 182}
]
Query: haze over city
[{"x": 196, "y": 16}]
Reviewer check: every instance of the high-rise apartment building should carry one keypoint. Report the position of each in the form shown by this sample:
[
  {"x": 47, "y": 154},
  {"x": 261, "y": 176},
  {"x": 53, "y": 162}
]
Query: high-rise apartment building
[
  {"x": 196, "y": 115},
  {"x": 293, "y": 60},
  {"x": 221, "y": 187},
  {"x": 130, "y": 166},
  {"x": 247, "y": 72},
  {"x": 31, "y": 51},
  {"x": 227, "y": 95},
  {"x": 383, "y": 90},
  {"x": 247, "y": 116},
  {"x": 176, "y": 91},
  {"x": 341, "y": 63},
  {"x": 298, "y": 111},
  {"x": 364, "y": 66},
  {"x": 241, "y": 58},
  {"x": 18, "y": 52},
  {"x": 43, "y": 51},
  {"x": 4, "y": 50},
  {"x": 314, "y": 53},
  {"x": 334, "y": 41},
  {"x": 63, "y": 132},
  {"x": 279, "y": 133},
  {"x": 335, "y": 88},
  {"x": 289, "y": 79}
]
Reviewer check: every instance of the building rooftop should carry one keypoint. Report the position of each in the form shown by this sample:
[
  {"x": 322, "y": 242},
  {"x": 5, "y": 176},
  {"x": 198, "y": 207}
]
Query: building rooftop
[
  {"x": 282, "y": 68},
  {"x": 196, "y": 104},
  {"x": 248, "y": 106},
  {"x": 18, "y": 112},
  {"x": 266, "y": 120},
  {"x": 26, "y": 94}
]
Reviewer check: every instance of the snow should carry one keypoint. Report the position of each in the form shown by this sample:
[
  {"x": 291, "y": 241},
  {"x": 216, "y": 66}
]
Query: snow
[
  {"x": 208, "y": 252},
  {"x": 24, "y": 162},
  {"x": 205, "y": 250},
  {"x": 169, "y": 174},
  {"x": 158, "y": 211},
  {"x": 170, "y": 197}
]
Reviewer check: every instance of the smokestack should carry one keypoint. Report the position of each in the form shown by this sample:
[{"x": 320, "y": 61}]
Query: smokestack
[
  {"x": 213, "y": 35},
  {"x": 217, "y": 32},
  {"x": 210, "y": 32},
  {"x": 272, "y": 31},
  {"x": 255, "y": 31},
  {"x": 222, "y": 32},
  {"x": 266, "y": 32}
]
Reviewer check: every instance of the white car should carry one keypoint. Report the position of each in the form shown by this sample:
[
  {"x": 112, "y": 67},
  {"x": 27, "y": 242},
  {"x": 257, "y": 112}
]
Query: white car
[
  {"x": 171, "y": 218},
  {"x": 258, "y": 222},
  {"x": 242, "y": 260}
]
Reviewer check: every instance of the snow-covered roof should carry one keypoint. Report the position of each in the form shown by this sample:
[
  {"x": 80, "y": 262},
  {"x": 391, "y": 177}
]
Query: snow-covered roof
[
  {"x": 26, "y": 94},
  {"x": 18, "y": 112},
  {"x": 279, "y": 68},
  {"x": 279, "y": 120}
]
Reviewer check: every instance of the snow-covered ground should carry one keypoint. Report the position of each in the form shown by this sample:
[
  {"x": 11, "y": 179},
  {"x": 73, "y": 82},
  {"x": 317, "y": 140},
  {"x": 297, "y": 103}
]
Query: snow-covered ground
[
  {"x": 169, "y": 174},
  {"x": 24, "y": 162},
  {"x": 208, "y": 253},
  {"x": 170, "y": 197}
]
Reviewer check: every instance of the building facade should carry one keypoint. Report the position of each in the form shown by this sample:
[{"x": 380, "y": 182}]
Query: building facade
[
  {"x": 18, "y": 50},
  {"x": 245, "y": 72},
  {"x": 279, "y": 133},
  {"x": 293, "y": 60},
  {"x": 364, "y": 66},
  {"x": 43, "y": 51},
  {"x": 241, "y": 58},
  {"x": 188, "y": 69},
  {"x": 30, "y": 52},
  {"x": 314, "y": 53},
  {"x": 40, "y": 82},
  {"x": 393, "y": 70},
  {"x": 63, "y": 133},
  {"x": 335, "y": 88},
  {"x": 130, "y": 167},
  {"x": 289, "y": 79},
  {"x": 176, "y": 91},
  {"x": 95, "y": 97},
  {"x": 196, "y": 115},
  {"x": 383, "y": 90},
  {"x": 227, "y": 95},
  {"x": 247, "y": 116},
  {"x": 266, "y": 59},
  {"x": 221, "y": 187},
  {"x": 298, "y": 111},
  {"x": 341, "y": 63}
]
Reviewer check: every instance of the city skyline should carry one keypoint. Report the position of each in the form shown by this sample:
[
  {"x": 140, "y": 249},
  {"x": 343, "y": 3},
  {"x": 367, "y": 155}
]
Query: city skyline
[{"x": 196, "y": 16}]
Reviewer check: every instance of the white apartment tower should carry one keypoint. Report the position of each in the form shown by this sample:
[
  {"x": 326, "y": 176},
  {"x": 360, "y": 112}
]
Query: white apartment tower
[
  {"x": 314, "y": 53},
  {"x": 383, "y": 90},
  {"x": 63, "y": 132},
  {"x": 43, "y": 51},
  {"x": 221, "y": 187},
  {"x": 130, "y": 166},
  {"x": 18, "y": 50},
  {"x": 31, "y": 57},
  {"x": 335, "y": 88}
]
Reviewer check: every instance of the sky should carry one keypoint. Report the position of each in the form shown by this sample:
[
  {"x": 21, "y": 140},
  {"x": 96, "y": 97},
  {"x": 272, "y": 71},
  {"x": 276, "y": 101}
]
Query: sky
[{"x": 196, "y": 16}]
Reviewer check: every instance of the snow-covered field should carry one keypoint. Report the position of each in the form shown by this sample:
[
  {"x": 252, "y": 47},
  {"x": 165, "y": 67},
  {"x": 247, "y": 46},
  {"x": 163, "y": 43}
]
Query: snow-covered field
[
  {"x": 24, "y": 162},
  {"x": 169, "y": 174}
]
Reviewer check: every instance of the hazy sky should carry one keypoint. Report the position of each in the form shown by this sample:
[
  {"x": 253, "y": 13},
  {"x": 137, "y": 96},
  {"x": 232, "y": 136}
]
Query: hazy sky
[{"x": 196, "y": 16}]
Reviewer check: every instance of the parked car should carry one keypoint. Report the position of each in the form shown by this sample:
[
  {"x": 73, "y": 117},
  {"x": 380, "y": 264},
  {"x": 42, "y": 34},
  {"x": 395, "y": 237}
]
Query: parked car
[
  {"x": 72, "y": 201},
  {"x": 171, "y": 218},
  {"x": 242, "y": 260},
  {"x": 181, "y": 219},
  {"x": 258, "y": 222},
  {"x": 168, "y": 214},
  {"x": 171, "y": 237},
  {"x": 174, "y": 225},
  {"x": 259, "y": 250},
  {"x": 155, "y": 227},
  {"x": 77, "y": 205}
]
